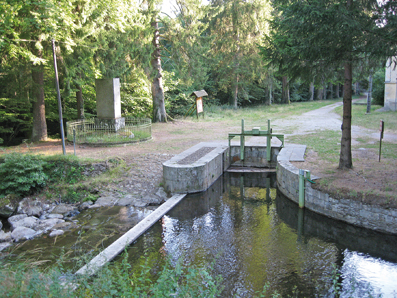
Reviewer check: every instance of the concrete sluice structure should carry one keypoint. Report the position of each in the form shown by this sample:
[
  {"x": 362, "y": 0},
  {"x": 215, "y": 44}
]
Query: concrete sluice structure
[{"x": 197, "y": 168}]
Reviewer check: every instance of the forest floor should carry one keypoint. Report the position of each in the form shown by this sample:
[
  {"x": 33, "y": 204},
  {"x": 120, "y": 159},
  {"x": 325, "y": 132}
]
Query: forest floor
[{"x": 369, "y": 181}]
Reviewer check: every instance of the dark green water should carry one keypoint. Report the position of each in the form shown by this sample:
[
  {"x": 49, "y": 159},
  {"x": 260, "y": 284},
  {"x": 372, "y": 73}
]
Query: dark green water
[
  {"x": 250, "y": 234},
  {"x": 255, "y": 236}
]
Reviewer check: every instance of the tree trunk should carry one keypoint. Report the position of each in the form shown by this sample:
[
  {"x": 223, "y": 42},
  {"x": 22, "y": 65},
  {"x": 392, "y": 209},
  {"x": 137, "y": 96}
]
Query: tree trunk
[
  {"x": 159, "y": 113},
  {"x": 369, "y": 94},
  {"x": 331, "y": 91},
  {"x": 345, "y": 158},
  {"x": 235, "y": 93},
  {"x": 337, "y": 90},
  {"x": 80, "y": 103},
  {"x": 236, "y": 58},
  {"x": 357, "y": 88},
  {"x": 320, "y": 93},
  {"x": 39, "y": 131},
  {"x": 312, "y": 91},
  {"x": 285, "y": 92}
]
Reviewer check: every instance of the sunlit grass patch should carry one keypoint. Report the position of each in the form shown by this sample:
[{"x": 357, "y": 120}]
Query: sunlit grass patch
[
  {"x": 372, "y": 120},
  {"x": 326, "y": 143}
]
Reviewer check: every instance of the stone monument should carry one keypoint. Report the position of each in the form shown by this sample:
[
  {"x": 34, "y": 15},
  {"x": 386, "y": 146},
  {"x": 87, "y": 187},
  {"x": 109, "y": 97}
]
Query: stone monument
[
  {"x": 108, "y": 104},
  {"x": 391, "y": 84}
]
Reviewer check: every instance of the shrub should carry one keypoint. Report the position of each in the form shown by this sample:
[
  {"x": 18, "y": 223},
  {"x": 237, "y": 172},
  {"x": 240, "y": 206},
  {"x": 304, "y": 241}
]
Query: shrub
[{"x": 21, "y": 174}]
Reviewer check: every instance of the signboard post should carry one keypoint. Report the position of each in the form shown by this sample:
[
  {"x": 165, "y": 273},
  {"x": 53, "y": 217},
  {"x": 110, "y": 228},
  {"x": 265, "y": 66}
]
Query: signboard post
[
  {"x": 198, "y": 104},
  {"x": 381, "y": 129}
]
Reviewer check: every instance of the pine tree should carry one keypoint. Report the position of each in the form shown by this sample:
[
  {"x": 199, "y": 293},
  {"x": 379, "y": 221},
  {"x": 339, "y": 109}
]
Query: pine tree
[{"x": 312, "y": 35}]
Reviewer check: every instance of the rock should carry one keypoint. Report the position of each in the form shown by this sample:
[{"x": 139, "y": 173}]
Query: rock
[
  {"x": 27, "y": 222},
  {"x": 139, "y": 203},
  {"x": 63, "y": 208},
  {"x": 8, "y": 206},
  {"x": 4, "y": 245},
  {"x": 126, "y": 201},
  {"x": 105, "y": 201},
  {"x": 55, "y": 233},
  {"x": 46, "y": 207},
  {"x": 162, "y": 194},
  {"x": 1, "y": 225},
  {"x": 67, "y": 225},
  {"x": 31, "y": 208},
  {"x": 51, "y": 215},
  {"x": 71, "y": 213},
  {"x": 85, "y": 205},
  {"x": 23, "y": 233},
  {"x": 47, "y": 224},
  {"x": 16, "y": 218},
  {"x": 5, "y": 237},
  {"x": 152, "y": 200}
]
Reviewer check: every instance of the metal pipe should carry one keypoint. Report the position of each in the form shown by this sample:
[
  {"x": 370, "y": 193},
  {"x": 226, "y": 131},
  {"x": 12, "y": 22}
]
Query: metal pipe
[
  {"x": 74, "y": 141},
  {"x": 59, "y": 97},
  {"x": 301, "y": 188},
  {"x": 242, "y": 141}
]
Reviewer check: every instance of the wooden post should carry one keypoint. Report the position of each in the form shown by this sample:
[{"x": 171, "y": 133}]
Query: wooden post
[{"x": 381, "y": 129}]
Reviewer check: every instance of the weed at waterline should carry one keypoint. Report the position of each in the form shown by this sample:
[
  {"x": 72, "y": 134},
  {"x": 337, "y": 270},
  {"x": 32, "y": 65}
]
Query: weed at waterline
[{"x": 114, "y": 280}]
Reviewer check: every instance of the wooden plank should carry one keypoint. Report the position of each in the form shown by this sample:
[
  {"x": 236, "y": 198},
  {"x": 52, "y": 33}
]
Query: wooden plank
[{"x": 118, "y": 246}]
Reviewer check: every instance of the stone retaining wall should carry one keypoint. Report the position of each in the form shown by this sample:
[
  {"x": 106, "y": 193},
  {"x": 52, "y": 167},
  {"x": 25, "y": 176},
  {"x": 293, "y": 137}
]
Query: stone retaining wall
[{"x": 352, "y": 212}]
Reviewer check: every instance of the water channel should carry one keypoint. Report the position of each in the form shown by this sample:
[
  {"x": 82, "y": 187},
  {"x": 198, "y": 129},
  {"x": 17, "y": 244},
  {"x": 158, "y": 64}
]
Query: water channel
[{"x": 251, "y": 234}]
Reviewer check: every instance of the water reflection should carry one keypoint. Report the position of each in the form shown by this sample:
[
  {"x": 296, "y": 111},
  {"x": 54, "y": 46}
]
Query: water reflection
[{"x": 254, "y": 236}]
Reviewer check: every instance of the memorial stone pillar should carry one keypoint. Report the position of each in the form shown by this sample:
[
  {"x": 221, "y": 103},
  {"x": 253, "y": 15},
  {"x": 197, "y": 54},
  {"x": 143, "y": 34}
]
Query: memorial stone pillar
[{"x": 108, "y": 104}]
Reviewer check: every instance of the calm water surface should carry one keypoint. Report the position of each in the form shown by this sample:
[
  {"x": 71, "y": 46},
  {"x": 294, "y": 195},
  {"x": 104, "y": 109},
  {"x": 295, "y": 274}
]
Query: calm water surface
[{"x": 253, "y": 236}]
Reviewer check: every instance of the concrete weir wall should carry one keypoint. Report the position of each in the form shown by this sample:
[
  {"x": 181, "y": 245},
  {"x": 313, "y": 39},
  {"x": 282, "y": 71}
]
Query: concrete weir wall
[
  {"x": 197, "y": 168},
  {"x": 353, "y": 212}
]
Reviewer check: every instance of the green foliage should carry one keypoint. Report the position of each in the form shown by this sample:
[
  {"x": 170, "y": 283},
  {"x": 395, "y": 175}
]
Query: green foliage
[
  {"x": 25, "y": 174},
  {"x": 22, "y": 174},
  {"x": 62, "y": 169},
  {"x": 15, "y": 118},
  {"x": 308, "y": 39},
  {"x": 378, "y": 87},
  {"x": 136, "y": 98},
  {"x": 114, "y": 280}
]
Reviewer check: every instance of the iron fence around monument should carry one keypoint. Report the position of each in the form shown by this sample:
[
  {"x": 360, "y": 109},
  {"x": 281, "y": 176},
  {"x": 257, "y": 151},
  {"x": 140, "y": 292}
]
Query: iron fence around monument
[{"x": 97, "y": 133}]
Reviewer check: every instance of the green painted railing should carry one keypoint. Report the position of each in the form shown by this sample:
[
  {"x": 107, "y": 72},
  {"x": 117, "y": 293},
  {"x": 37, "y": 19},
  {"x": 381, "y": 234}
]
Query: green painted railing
[{"x": 96, "y": 132}]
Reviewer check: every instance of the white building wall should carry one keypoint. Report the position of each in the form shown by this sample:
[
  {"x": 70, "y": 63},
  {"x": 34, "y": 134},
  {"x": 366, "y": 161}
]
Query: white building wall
[{"x": 391, "y": 84}]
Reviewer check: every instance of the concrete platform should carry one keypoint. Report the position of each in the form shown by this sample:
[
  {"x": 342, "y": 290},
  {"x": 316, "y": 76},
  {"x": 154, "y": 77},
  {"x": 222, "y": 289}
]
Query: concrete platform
[{"x": 292, "y": 152}]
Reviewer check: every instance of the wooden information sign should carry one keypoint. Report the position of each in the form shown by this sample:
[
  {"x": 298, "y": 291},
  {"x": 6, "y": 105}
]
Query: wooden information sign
[{"x": 198, "y": 105}]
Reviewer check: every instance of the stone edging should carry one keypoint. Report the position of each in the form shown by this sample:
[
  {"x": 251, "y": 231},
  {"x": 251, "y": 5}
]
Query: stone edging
[{"x": 352, "y": 212}]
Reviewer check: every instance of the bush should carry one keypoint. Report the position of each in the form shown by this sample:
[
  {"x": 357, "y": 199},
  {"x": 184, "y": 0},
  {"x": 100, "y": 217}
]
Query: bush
[
  {"x": 21, "y": 174},
  {"x": 25, "y": 174}
]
